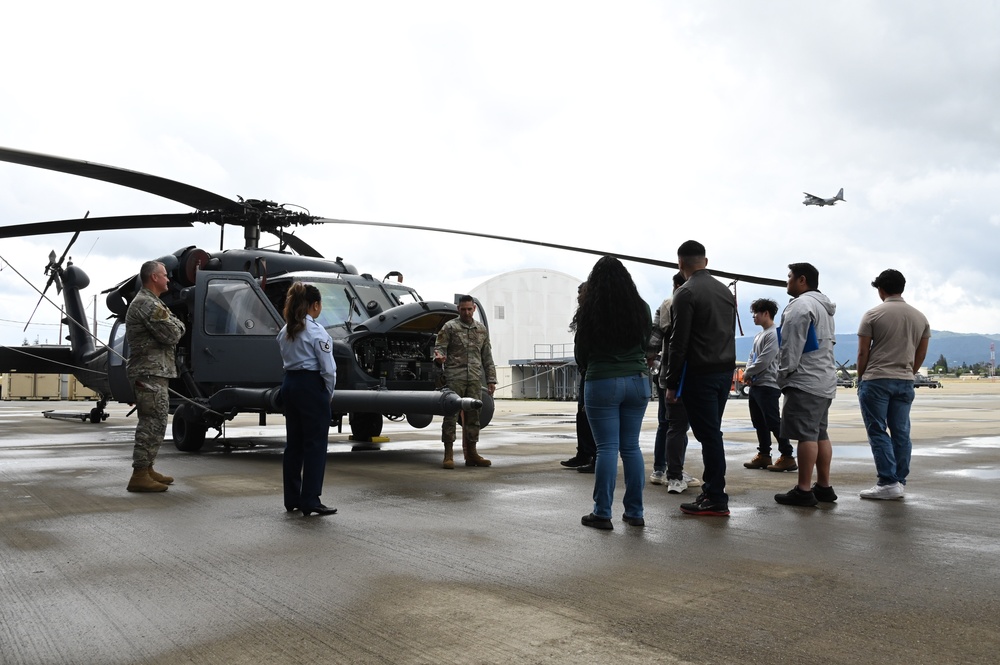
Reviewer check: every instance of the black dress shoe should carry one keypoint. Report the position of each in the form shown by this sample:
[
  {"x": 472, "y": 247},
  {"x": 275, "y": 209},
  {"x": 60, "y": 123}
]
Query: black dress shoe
[
  {"x": 633, "y": 521},
  {"x": 319, "y": 510},
  {"x": 595, "y": 522},
  {"x": 291, "y": 509},
  {"x": 574, "y": 462},
  {"x": 586, "y": 468}
]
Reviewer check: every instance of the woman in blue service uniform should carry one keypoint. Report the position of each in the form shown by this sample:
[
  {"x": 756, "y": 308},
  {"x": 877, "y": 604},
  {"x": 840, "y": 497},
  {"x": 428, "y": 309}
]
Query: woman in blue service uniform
[{"x": 310, "y": 374}]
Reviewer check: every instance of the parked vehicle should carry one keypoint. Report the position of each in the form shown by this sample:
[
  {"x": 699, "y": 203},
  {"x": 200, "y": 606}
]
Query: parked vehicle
[{"x": 920, "y": 380}]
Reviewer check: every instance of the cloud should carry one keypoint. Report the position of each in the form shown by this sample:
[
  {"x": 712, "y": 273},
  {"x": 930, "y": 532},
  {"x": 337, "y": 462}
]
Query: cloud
[{"x": 628, "y": 128}]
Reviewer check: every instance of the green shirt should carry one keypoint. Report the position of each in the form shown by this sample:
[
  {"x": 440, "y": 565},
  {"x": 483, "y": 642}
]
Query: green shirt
[{"x": 610, "y": 362}]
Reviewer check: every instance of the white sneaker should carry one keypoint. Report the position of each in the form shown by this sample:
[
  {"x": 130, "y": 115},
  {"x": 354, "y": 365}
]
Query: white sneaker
[
  {"x": 884, "y": 492},
  {"x": 658, "y": 477},
  {"x": 690, "y": 480},
  {"x": 676, "y": 486}
]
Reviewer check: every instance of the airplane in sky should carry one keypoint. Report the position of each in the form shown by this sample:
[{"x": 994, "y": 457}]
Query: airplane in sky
[{"x": 817, "y": 201}]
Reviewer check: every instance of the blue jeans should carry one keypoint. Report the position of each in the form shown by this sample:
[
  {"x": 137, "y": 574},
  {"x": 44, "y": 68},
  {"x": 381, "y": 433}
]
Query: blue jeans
[
  {"x": 705, "y": 396},
  {"x": 885, "y": 405},
  {"x": 615, "y": 408}
]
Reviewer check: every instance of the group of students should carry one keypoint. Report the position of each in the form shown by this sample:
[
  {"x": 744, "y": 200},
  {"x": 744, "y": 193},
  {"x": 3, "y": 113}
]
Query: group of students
[{"x": 693, "y": 333}]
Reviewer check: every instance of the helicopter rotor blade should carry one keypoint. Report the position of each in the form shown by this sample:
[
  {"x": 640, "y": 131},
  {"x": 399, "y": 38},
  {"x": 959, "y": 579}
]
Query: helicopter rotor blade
[
  {"x": 40, "y": 298},
  {"x": 72, "y": 240},
  {"x": 53, "y": 270},
  {"x": 98, "y": 224},
  {"x": 298, "y": 244},
  {"x": 168, "y": 189},
  {"x": 765, "y": 281}
]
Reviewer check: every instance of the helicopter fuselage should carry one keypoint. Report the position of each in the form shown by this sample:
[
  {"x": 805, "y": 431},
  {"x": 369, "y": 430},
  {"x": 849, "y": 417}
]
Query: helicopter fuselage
[{"x": 229, "y": 362}]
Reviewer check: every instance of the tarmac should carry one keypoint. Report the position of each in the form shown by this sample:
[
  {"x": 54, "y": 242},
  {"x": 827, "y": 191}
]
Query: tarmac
[{"x": 492, "y": 565}]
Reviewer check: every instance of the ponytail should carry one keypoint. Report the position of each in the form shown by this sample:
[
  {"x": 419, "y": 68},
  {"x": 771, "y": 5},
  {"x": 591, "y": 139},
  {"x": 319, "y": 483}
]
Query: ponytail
[{"x": 297, "y": 302}]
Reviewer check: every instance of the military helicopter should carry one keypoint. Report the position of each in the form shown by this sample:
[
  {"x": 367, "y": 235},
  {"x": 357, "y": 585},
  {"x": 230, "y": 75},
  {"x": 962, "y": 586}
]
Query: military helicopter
[{"x": 231, "y": 303}]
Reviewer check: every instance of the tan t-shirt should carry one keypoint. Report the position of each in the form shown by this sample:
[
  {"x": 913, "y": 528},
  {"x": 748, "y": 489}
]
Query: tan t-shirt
[{"x": 896, "y": 329}]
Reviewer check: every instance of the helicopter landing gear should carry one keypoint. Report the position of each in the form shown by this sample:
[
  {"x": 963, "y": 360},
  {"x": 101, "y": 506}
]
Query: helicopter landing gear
[
  {"x": 188, "y": 430},
  {"x": 98, "y": 414},
  {"x": 365, "y": 426}
]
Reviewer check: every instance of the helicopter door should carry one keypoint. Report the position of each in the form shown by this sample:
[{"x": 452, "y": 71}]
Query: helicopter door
[
  {"x": 121, "y": 387},
  {"x": 234, "y": 329}
]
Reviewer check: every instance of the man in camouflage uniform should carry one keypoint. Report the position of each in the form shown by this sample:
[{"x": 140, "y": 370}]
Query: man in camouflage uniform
[
  {"x": 152, "y": 333},
  {"x": 463, "y": 346}
]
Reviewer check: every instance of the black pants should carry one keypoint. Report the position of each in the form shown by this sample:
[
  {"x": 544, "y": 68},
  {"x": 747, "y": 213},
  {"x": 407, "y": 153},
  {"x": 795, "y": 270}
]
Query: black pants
[
  {"x": 766, "y": 419},
  {"x": 705, "y": 397},
  {"x": 307, "y": 429},
  {"x": 586, "y": 447}
]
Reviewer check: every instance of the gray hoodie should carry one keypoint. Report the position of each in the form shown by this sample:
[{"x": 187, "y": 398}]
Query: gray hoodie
[
  {"x": 812, "y": 371},
  {"x": 762, "y": 367}
]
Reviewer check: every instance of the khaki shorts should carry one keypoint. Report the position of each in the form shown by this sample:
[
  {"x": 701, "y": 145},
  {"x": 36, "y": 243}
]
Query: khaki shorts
[{"x": 804, "y": 416}]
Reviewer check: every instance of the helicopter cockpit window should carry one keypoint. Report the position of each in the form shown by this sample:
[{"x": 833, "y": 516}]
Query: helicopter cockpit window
[
  {"x": 372, "y": 299},
  {"x": 403, "y": 296},
  {"x": 116, "y": 357},
  {"x": 232, "y": 307},
  {"x": 336, "y": 305}
]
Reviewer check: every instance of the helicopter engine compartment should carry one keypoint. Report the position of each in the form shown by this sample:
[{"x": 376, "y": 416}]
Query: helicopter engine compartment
[{"x": 403, "y": 361}]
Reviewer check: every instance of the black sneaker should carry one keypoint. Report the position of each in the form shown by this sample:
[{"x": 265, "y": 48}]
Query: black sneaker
[
  {"x": 796, "y": 497},
  {"x": 633, "y": 521},
  {"x": 705, "y": 507},
  {"x": 596, "y": 522},
  {"x": 825, "y": 494},
  {"x": 574, "y": 462}
]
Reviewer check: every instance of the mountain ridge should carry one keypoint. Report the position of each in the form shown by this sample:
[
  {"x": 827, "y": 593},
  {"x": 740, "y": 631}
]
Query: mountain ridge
[{"x": 957, "y": 348}]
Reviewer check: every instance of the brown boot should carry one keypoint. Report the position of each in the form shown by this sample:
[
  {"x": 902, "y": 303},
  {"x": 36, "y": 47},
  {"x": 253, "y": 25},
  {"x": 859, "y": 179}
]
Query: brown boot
[
  {"x": 472, "y": 457},
  {"x": 160, "y": 478},
  {"x": 141, "y": 482},
  {"x": 784, "y": 463},
  {"x": 758, "y": 462},
  {"x": 449, "y": 457}
]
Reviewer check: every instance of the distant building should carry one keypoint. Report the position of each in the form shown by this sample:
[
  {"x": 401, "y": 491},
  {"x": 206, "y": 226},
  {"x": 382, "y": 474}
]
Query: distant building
[{"x": 529, "y": 313}]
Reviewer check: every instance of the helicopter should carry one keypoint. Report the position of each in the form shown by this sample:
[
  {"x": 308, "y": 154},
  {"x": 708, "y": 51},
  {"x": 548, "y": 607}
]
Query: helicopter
[{"x": 231, "y": 302}]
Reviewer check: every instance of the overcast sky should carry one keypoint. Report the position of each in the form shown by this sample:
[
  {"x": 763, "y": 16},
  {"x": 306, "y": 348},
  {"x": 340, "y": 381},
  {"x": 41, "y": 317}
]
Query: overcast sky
[{"x": 626, "y": 126}]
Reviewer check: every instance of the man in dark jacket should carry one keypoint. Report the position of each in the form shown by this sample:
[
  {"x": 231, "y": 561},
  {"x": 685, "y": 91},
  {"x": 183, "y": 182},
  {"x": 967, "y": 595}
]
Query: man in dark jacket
[{"x": 700, "y": 368}]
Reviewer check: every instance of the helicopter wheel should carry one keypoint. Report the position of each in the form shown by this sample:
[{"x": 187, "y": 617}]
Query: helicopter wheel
[
  {"x": 745, "y": 390},
  {"x": 365, "y": 426},
  {"x": 189, "y": 434}
]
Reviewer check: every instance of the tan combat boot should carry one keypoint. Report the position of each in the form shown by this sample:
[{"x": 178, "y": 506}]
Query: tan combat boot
[
  {"x": 784, "y": 463},
  {"x": 159, "y": 477},
  {"x": 472, "y": 457},
  {"x": 449, "y": 457},
  {"x": 758, "y": 462},
  {"x": 141, "y": 482}
]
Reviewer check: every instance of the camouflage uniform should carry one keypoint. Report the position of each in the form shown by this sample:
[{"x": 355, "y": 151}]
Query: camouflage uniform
[
  {"x": 152, "y": 333},
  {"x": 468, "y": 366}
]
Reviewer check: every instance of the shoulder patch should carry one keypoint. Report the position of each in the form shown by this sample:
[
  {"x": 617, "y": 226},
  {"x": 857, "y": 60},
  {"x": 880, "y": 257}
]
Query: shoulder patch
[
  {"x": 325, "y": 345},
  {"x": 160, "y": 313}
]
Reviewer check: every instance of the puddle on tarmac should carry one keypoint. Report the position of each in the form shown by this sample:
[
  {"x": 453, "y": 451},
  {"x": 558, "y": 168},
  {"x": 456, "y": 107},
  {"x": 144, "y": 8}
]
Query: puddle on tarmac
[
  {"x": 979, "y": 473},
  {"x": 852, "y": 452},
  {"x": 981, "y": 442}
]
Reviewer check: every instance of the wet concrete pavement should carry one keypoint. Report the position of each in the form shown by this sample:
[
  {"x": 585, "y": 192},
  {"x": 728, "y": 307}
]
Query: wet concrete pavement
[{"x": 424, "y": 565}]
